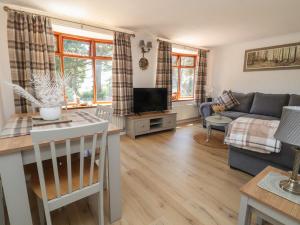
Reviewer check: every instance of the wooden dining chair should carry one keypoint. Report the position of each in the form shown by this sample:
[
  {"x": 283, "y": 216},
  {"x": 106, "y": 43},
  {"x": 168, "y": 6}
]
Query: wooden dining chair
[
  {"x": 104, "y": 112},
  {"x": 63, "y": 180}
]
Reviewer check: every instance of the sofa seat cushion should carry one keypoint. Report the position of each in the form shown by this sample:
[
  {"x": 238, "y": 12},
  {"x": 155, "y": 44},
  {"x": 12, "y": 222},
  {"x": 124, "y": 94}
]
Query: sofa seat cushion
[
  {"x": 294, "y": 100},
  {"x": 233, "y": 114},
  {"x": 269, "y": 104},
  {"x": 262, "y": 117},
  {"x": 245, "y": 101},
  {"x": 284, "y": 158}
]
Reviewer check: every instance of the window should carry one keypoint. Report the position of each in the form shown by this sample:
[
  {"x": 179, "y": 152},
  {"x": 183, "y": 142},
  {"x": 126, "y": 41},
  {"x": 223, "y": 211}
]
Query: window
[
  {"x": 89, "y": 62},
  {"x": 183, "y": 75}
]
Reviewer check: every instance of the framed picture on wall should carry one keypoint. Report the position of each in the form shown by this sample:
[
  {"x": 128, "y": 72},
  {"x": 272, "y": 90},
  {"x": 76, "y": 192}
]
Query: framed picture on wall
[{"x": 279, "y": 57}]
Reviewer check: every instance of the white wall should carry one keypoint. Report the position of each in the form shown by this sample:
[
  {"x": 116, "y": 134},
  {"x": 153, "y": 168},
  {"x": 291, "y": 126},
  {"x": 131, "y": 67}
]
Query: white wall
[
  {"x": 146, "y": 78},
  {"x": 227, "y": 69},
  {"x": 6, "y": 95}
]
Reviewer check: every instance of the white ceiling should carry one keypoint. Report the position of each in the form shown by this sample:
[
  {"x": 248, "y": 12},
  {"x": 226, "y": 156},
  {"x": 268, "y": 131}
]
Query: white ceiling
[{"x": 195, "y": 22}]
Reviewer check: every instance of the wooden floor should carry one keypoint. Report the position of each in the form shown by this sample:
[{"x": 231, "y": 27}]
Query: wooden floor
[{"x": 169, "y": 179}]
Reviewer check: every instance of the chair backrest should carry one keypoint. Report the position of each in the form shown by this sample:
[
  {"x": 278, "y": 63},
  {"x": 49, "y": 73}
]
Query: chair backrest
[
  {"x": 104, "y": 112},
  {"x": 64, "y": 136}
]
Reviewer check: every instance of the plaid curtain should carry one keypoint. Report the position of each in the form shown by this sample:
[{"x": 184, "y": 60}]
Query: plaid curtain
[
  {"x": 164, "y": 69},
  {"x": 201, "y": 77},
  {"x": 31, "y": 50},
  {"x": 122, "y": 75}
]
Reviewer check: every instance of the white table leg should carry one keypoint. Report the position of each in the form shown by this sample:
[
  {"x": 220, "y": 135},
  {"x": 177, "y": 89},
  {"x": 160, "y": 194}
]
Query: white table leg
[
  {"x": 259, "y": 221},
  {"x": 2, "y": 217},
  {"x": 15, "y": 191},
  {"x": 114, "y": 177},
  {"x": 208, "y": 126},
  {"x": 245, "y": 211}
]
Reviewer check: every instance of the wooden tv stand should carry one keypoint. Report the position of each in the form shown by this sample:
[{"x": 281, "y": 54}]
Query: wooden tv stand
[{"x": 146, "y": 123}]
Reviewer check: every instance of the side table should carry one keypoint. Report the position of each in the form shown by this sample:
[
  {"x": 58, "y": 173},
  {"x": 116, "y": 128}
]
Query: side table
[
  {"x": 219, "y": 121},
  {"x": 267, "y": 206}
]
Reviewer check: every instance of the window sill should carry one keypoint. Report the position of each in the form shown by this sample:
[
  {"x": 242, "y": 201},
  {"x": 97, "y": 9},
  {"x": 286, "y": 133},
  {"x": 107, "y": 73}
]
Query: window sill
[
  {"x": 183, "y": 99},
  {"x": 84, "y": 106}
]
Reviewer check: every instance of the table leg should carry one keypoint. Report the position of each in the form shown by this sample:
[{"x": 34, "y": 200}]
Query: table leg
[
  {"x": 105, "y": 179},
  {"x": 15, "y": 191},
  {"x": 114, "y": 177},
  {"x": 2, "y": 216},
  {"x": 259, "y": 221},
  {"x": 226, "y": 131},
  {"x": 208, "y": 131},
  {"x": 245, "y": 211}
]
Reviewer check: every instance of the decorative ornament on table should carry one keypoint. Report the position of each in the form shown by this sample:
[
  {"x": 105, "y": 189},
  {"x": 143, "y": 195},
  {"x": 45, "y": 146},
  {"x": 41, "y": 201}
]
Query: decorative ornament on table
[
  {"x": 49, "y": 93},
  {"x": 218, "y": 108}
]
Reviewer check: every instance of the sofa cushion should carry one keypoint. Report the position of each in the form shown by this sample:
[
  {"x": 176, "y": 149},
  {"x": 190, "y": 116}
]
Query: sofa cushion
[
  {"x": 294, "y": 100},
  {"x": 262, "y": 117},
  {"x": 245, "y": 101},
  {"x": 233, "y": 114},
  {"x": 269, "y": 104},
  {"x": 227, "y": 99}
]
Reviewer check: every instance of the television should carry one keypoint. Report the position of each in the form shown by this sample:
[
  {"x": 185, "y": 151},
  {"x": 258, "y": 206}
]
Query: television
[{"x": 150, "y": 99}]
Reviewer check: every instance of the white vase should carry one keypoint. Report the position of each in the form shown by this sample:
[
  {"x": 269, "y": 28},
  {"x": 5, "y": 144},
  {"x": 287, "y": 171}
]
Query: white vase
[{"x": 50, "y": 113}]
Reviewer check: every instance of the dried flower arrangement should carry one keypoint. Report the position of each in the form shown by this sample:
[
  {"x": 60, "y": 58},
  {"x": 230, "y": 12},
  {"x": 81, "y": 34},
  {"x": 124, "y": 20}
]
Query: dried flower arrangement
[
  {"x": 49, "y": 92},
  {"x": 218, "y": 108}
]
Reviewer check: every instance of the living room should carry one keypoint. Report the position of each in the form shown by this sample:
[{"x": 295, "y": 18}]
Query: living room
[{"x": 198, "y": 108}]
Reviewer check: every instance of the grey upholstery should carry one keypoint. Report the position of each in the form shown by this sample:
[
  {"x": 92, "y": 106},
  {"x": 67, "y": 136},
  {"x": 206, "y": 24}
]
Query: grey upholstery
[
  {"x": 233, "y": 114},
  {"x": 269, "y": 104},
  {"x": 264, "y": 106},
  {"x": 294, "y": 100},
  {"x": 205, "y": 110},
  {"x": 245, "y": 101},
  {"x": 254, "y": 162},
  {"x": 262, "y": 117}
]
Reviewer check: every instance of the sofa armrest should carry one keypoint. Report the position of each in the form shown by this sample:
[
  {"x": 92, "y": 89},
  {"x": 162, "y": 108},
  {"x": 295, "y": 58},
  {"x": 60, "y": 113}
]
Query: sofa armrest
[{"x": 205, "y": 110}]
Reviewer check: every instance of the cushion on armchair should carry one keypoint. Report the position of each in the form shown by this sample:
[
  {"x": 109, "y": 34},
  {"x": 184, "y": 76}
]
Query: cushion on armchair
[{"x": 269, "y": 104}]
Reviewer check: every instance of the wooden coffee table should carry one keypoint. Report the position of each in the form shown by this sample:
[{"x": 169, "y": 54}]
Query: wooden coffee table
[
  {"x": 267, "y": 206},
  {"x": 218, "y": 121}
]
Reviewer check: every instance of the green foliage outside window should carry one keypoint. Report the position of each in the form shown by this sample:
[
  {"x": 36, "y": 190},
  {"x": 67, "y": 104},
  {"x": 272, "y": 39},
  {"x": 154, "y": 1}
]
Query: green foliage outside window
[{"x": 81, "y": 70}]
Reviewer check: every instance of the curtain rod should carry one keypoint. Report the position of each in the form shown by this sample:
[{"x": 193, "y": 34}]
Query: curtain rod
[
  {"x": 7, "y": 9},
  {"x": 183, "y": 45}
]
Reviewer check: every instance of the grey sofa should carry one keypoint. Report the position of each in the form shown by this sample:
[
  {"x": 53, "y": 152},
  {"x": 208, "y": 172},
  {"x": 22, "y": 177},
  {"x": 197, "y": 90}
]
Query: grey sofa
[{"x": 262, "y": 106}]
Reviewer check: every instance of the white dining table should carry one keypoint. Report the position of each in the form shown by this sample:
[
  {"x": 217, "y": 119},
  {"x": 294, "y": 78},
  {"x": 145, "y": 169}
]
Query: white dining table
[{"x": 15, "y": 152}]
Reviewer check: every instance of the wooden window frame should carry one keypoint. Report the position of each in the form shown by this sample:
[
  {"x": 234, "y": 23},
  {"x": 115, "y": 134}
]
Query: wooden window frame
[
  {"x": 177, "y": 96},
  {"x": 60, "y": 37}
]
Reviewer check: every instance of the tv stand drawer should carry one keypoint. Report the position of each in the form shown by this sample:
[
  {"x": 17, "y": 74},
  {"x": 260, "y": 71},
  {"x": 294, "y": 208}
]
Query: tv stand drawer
[{"x": 141, "y": 126}]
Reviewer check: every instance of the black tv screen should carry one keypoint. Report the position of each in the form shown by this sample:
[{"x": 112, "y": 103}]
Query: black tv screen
[{"x": 149, "y": 99}]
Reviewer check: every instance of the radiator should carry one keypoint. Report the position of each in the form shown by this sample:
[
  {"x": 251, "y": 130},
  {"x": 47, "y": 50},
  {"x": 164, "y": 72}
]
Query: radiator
[{"x": 119, "y": 121}]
